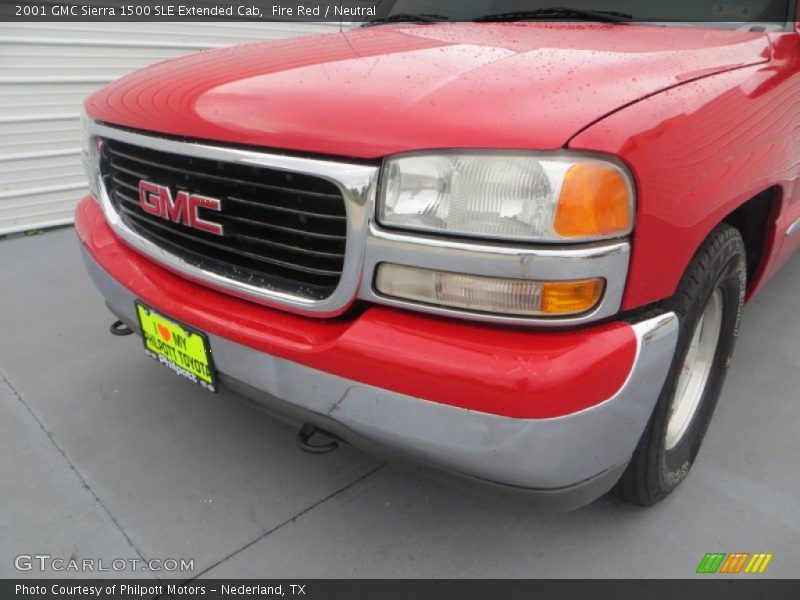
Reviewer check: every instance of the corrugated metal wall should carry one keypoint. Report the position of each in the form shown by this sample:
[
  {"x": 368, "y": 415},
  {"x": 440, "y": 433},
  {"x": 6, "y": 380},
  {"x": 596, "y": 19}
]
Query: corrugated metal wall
[{"x": 47, "y": 69}]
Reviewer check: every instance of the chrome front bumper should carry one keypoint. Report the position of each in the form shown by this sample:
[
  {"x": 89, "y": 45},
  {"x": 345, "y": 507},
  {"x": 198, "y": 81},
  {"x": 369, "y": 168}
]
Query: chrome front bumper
[{"x": 565, "y": 461}]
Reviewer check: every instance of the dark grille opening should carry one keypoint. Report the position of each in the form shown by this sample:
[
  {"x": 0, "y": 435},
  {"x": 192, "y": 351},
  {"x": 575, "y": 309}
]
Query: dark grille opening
[{"x": 282, "y": 231}]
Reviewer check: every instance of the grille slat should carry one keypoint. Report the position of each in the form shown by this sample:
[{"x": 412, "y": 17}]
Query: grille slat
[
  {"x": 226, "y": 218},
  {"x": 225, "y": 180},
  {"x": 272, "y": 244},
  {"x": 244, "y": 253},
  {"x": 252, "y": 203},
  {"x": 283, "y": 209},
  {"x": 298, "y": 232},
  {"x": 248, "y": 238},
  {"x": 282, "y": 230}
]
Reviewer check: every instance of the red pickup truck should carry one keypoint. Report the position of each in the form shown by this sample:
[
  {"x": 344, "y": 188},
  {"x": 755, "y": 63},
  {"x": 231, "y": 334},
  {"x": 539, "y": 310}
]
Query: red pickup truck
[{"x": 511, "y": 248}]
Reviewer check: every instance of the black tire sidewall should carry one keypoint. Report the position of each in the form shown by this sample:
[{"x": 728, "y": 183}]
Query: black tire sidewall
[{"x": 726, "y": 272}]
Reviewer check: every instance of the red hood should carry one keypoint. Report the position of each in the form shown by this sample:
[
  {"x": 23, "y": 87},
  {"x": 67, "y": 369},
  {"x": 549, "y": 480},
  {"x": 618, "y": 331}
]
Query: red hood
[{"x": 379, "y": 90}]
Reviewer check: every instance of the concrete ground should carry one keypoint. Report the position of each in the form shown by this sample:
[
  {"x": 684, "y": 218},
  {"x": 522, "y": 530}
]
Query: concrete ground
[{"x": 105, "y": 454}]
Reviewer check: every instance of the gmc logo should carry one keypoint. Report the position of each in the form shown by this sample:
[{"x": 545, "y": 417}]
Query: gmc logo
[{"x": 157, "y": 200}]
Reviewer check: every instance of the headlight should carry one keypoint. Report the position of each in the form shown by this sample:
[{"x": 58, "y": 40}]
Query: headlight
[
  {"x": 90, "y": 156},
  {"x": 516, "y": 196}
]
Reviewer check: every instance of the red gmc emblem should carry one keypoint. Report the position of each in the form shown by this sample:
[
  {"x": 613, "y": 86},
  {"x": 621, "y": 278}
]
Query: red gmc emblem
[{"x": 157, "y": 200}]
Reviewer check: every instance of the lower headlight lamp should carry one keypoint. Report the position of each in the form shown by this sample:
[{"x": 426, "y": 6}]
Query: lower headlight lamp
[{"x": 496, "y": 295}]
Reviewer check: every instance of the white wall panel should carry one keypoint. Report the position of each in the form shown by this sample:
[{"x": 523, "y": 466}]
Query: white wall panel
[{"x": 47, "y": 69}]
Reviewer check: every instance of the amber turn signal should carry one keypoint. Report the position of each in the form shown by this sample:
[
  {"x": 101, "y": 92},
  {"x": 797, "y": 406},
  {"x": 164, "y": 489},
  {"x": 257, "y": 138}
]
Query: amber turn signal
[
  {"x": 570, "y": 297},
  {"x": 595, "y": 200}
]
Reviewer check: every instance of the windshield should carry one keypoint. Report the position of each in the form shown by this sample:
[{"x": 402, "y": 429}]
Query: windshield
[{"x": 718, "y": 11}]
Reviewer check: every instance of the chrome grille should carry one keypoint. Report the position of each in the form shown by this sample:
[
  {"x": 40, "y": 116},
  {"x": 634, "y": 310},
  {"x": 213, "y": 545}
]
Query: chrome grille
[{"x": 282, "y": 230}]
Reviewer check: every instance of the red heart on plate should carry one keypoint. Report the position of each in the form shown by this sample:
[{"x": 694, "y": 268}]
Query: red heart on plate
[{"x": 164, "y": 332}]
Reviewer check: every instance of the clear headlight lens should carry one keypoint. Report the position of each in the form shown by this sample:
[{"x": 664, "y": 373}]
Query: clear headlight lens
[
  {"x": 513, "y": 196},
  {"x": 90, "y": 156}
]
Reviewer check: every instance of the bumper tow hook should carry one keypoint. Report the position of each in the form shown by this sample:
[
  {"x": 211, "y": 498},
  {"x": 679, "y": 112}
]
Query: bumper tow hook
[
  {"x": 307, "y": 431},
  {"x": 119, "y": 328}
]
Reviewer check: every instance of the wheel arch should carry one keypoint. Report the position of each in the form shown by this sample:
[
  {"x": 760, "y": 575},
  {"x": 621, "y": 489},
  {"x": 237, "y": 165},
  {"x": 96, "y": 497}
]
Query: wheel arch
[{"x": 757, "y": 219}]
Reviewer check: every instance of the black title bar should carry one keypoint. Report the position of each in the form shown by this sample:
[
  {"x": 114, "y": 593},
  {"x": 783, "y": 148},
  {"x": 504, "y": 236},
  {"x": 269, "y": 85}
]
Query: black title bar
[
  {"x": 189, "y": 10},
  {"x": 404, "y": 589},
  {"x": 338, "y": 11}
]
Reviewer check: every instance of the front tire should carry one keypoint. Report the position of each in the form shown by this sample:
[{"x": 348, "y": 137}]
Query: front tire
[{"x": 708, "y": 304}]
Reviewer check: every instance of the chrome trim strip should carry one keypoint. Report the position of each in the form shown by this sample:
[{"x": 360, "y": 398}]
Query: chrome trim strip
[
  {"x": 608, "y": 260},
  {"x": 356, "y": 183},
  {"x": 528, "y": 453},
  {"x": 794, "y": 228},
  {"x": 368, "y": 245}
]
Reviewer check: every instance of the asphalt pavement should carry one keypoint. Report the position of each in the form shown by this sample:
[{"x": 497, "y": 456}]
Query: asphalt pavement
[{"x": 105, "y": 454}]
